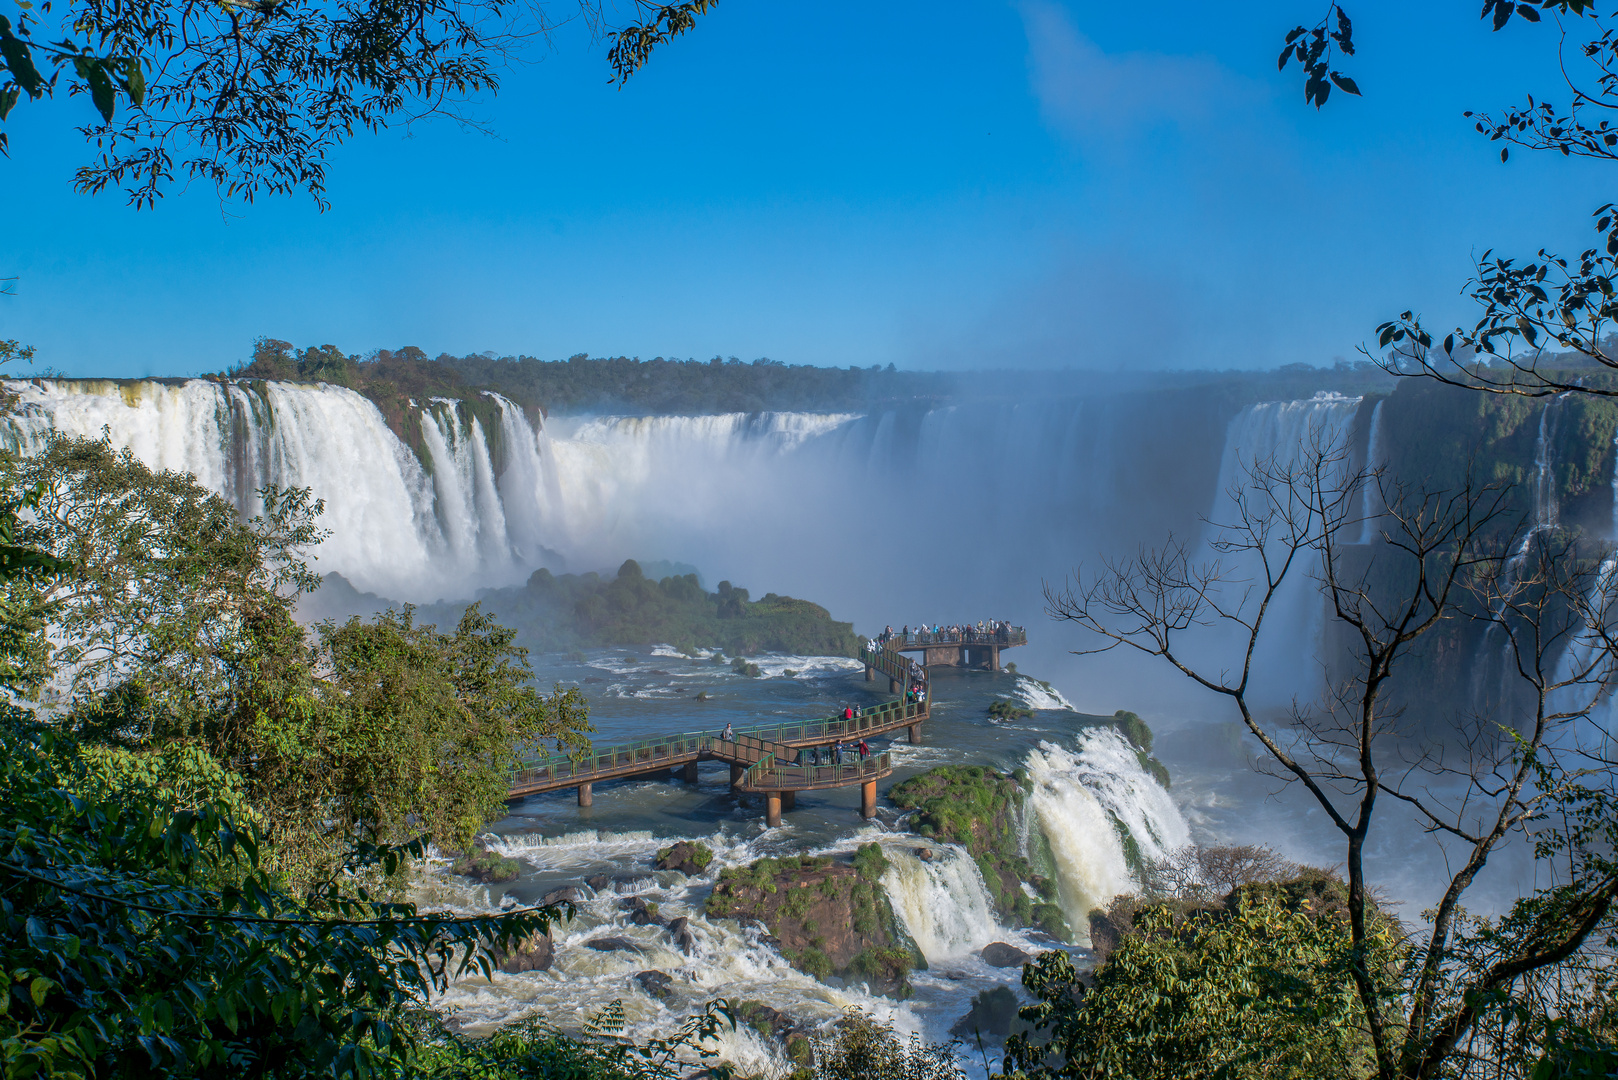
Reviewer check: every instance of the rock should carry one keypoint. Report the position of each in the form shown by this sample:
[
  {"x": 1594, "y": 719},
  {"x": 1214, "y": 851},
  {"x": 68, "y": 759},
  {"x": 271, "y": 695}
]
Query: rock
[
  {"x": 925, "y": 854},
  {"x": 994, "y": 1013},
  {"x": 612, "y": 944},
  {"x": 533, "y": 953},
  {"x": 642, "y": 913},
  {"x": 764, "y": 1020},
  {"x": 598, "y": 882},
  {"x": 686, "y": 857},
  {"x": 570, "y": 893},
  {"x": 486, "y": 867},
  {"x": 655, "y": 983},
  {"x": 999, "y": 954},
  {"x": 680, "y": 931}
]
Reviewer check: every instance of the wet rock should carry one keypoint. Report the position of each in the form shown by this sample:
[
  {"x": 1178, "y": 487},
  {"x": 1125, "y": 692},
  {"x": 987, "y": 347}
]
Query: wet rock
[
  {"x": 925, "y": 854},
  {"x": 680, "y": 932},
  {"x": 657, "y": 671},
  {"x": 999, "y": 954},
  {"x": 765, "y": 1020},
  {"x": 598, "y": 882},
  {"x": 533, "y": 953},
  {"x": 655, "y": 983},
  {"x": 486, "y": 867},
  {"x": 642, "y": 913},
  {"x": 686, "y": 857},
  {"x": 994, "y": 1014},
  {"x": 612, "y": 944},
  {"x": 570, "y": 893}
]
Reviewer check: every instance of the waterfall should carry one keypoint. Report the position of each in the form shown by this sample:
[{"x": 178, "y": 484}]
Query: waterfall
[
  {"x": 1103, "y": 815},
  {"x": 1278, "y": 435},
  {"x": 1375, "y": 457},
  {"x": 943, "y": 904}
]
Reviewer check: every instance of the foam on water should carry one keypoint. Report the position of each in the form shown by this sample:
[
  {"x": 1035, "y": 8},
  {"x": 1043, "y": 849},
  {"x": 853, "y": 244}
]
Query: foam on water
[
  {"x": 943, "y": 903},
  {"x": 1041, "y": 695}
]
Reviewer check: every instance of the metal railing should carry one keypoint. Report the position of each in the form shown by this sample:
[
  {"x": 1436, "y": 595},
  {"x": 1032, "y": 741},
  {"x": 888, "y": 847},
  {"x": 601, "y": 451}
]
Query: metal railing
[
  {"x": 770, "y": 774},
  {"x": 666, "y": 751},
  {"x": 1011, "y": 635}
]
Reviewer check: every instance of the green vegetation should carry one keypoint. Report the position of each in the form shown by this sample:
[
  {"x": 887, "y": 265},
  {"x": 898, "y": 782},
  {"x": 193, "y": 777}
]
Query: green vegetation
[
  {"x": 487, "y": 866},
  {"x": 1006, "y": 709},
  {"x": 1135, "y": 729},
  {"x": 578, "y": 611},
  {"x": 977, "y": 808},
  {"x": 687, "y": 856},
  {"x": 1258, "y": 987},
  {"x": 860, "y": 1047},
  {"x": 870, "y": 863}
]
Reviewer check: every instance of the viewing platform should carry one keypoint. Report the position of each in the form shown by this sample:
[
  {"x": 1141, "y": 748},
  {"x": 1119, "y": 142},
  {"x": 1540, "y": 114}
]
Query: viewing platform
[
  {"x": 966, "y": 647},
  {"x": 775, "y": 760}
]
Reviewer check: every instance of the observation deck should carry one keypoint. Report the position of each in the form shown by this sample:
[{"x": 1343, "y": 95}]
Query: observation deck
[
  {"x": 957, "y": 647},
  {"x": 768, "y": 759}
]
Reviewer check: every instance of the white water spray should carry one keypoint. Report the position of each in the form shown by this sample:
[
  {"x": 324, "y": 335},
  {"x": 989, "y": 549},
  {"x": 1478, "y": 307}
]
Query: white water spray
[{"x": 943, "y": 904}]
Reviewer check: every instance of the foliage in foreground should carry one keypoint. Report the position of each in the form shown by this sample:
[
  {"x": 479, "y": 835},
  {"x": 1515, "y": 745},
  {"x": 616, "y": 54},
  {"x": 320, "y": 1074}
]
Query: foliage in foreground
[
  {"x": 861, "y": 1047},
  {"x": 168, "y": 625},
  {"x": 139, "y": 939}
]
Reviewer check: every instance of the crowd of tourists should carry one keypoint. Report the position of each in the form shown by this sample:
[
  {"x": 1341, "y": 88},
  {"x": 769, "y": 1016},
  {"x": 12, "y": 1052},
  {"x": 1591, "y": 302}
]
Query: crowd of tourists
[
  {"x": 990, "y": 631},
  {"x": 838, "y": 753}
]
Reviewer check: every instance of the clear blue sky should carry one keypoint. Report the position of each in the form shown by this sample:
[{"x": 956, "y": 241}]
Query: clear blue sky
[{"x": 940, "y": 184}]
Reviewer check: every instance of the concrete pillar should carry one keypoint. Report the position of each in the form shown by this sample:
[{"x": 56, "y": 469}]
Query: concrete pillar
[
  {"x": 789, "y": 800},
  {"x": 736, "y": 774},
  {"x": 870, "y": 673},
  {"x": 586, "y": 797},
  {"x": 894, "y": 687},
  {"x": 915, "y": 734},
  {"x": 994, "y": 658},
  {"x": 868, "y": 798},
  {"x": 772, "y": 809},
  {"x": 689, "y": 773}
]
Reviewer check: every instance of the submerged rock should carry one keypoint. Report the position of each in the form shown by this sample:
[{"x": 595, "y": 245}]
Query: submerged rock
[
  {"x": 486, "y": 867},
  {"x": 570, "y": 893},
  {"x": 680, "y": 931},
  {"x": 612, "y": 944},
  {"x": 598, "y": 882},
  {"x": 534, "y": 953},
  {"x": 999, "y": 954},
  {"x": 655, "y": 983},
  {"x": 642, "y": 913}
]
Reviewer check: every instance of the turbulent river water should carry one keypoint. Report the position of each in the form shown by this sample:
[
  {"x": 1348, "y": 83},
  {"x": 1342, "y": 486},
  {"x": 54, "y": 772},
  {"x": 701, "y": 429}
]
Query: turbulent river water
[{"x": 1081, "y": 778}]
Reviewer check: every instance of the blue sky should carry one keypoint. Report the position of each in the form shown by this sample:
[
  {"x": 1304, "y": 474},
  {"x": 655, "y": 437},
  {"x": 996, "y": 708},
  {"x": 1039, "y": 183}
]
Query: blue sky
[{"x": 945, "y": 184}]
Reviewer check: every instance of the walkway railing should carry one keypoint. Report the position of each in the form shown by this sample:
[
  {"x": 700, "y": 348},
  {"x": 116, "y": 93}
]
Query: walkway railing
[
  {"x": 1011, "y": 635},
  {"x": 770, "y": 774}
]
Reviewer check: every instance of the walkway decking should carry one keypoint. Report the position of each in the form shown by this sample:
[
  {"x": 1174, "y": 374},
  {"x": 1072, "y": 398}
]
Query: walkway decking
[
  {"x": 968, "y": 647},
  {"x": 765, "y": 759}
]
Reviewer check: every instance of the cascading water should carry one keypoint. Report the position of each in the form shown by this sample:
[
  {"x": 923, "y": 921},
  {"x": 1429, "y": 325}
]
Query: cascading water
[
  {"x": 1375, "y": 458},
  {"x": 1266, "y": 443},
  {"x": 943, "y": 903},
  {"x": 1104, "y": 815}
]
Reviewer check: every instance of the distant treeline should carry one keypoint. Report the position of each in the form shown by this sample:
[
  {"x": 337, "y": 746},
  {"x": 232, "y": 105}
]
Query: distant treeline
[
  {"x": 392, "y": 378},
  {"x": 554, "y": 613}
]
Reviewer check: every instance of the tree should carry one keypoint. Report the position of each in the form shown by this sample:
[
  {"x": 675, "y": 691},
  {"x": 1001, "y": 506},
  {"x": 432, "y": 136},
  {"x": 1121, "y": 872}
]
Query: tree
[
  {"x": 170, "y": 624},
  {"x": 1257, "y": 988},
  {"x": 252, "y": 95},
  {"x": 1478, "y": 782}
]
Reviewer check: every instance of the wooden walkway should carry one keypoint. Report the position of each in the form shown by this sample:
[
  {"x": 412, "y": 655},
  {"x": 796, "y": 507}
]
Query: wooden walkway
[{"x": 768, "y": 759}]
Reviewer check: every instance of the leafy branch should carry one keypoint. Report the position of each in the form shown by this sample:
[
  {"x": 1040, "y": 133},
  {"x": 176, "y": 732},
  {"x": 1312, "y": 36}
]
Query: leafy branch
[{"x": 1314, "y": 49}]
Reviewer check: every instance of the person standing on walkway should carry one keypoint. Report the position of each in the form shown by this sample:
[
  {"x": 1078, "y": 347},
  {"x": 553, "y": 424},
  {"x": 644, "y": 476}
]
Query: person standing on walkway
[{"x": 728, "y": 735}]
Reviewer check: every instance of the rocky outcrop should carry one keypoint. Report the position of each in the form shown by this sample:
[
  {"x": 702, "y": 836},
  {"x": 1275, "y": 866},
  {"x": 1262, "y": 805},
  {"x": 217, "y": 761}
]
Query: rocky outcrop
[
  {"x": 827, "y": 918},
  {"x": 612, "y": 944},
  {"x": 686, "y": 857},
  {"x": 978, "y": 808},
  {"x": 534, "y": 953},
  {"x": 486, "y": 867},
  {"x": 571, "y": 894},
  {"x": 993, "y": 1015},
  {"x": 999, "y": 954},
  {"x": 642, "y": 913},
  {"x": 680, "y": 933},
  {"x": 655, "y": 983}
]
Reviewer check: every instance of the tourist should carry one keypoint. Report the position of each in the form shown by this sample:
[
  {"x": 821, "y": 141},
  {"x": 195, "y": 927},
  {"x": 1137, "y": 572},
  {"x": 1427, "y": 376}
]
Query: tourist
[
  {"x": 848, "y": 714},
  {"x": 728, "y": 735},
  {"x": 865, "y": 750},
  {"x": 858, "y": 712}
]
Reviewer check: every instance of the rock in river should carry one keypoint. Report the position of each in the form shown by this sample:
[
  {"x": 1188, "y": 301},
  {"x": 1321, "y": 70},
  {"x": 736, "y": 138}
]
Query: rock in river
[{"x": 999, "y": 954}]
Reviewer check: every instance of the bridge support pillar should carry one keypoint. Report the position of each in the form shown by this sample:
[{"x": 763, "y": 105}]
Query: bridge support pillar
[
  {"x": 870, "y": 673},
  {"x": 789, "y": 800},
  {"x": 868, "y": 798},
  {"x": 893, "y": 686},
  {"x": 736, "y": 774},
  {"x": 915, "y": 734},
  {"x": 586, "y": 796},
  {"x": 994, "y": 658},
  {"x": 689, "y": 773},
  {"x": 772, "y": 810}
]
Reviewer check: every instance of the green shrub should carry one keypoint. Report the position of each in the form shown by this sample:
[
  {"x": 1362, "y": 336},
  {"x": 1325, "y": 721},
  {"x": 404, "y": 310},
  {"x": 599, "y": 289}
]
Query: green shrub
[
  {"x": 1134, "y": 729},
  {"x": 870, "y": 862}
]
